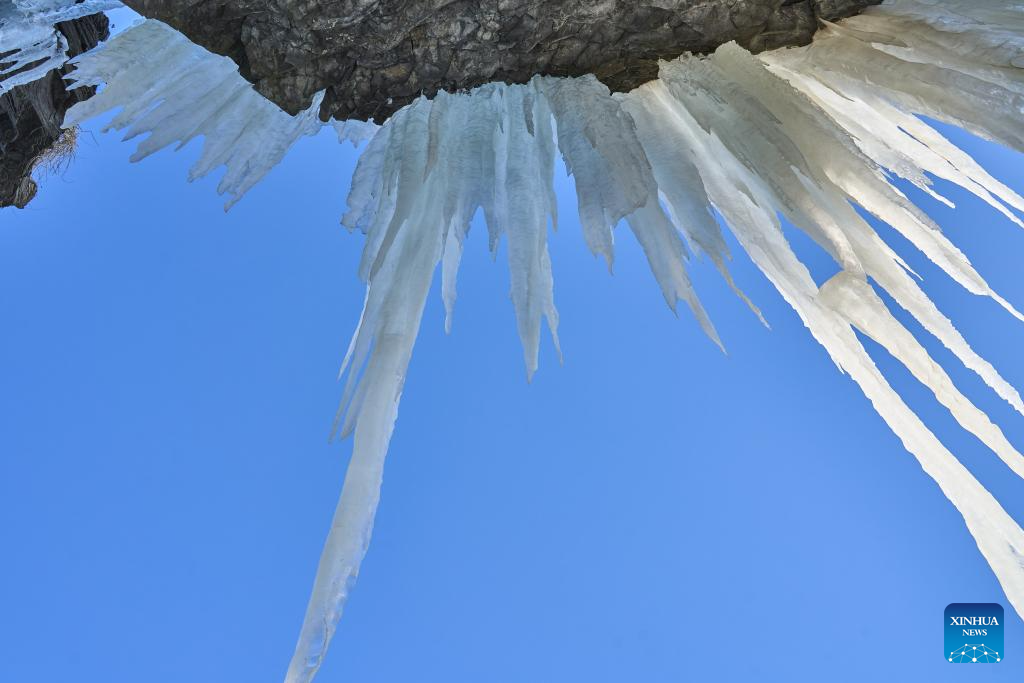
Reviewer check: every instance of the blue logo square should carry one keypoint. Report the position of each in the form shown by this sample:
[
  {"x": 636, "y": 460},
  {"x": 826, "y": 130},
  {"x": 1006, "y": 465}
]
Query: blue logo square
[{"x": 974, "y": 633}]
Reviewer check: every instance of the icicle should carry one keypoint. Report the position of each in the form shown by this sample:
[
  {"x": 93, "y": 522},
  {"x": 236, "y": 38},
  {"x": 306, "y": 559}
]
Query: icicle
[
  {"x": 834, "y": 159},
  {"x": 678, "y": 180},
  {"x": 175, "y": 91},
  {"x": 664, "y": 250},
  {"x": 998, "y": 536},
  {"x": 397, "y": 287},
  {"x": 523, "y": 200},
  {"x": 600, "y": 149},
  {"x": 854, "y": 300},
  {"x": 355, "y": 132},
  {"x": 615, "y": 180},
  {"x": 951, "y": 91}
]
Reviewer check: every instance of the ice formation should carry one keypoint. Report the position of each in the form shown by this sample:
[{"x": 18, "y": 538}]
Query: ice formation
[
  {"x": 175, "y": 92},
  {"x": 30, "y": 45},
  {"x": 803, "y": 133}
]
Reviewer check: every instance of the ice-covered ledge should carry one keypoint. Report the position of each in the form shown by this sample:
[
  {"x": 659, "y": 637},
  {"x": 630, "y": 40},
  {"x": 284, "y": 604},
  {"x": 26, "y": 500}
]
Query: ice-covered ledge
[
  {"x": 31, "y": 113},
  {"x": 375, "y": 56}
]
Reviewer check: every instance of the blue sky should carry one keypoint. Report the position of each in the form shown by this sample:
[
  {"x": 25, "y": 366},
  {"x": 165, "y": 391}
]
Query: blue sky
[{"x": 652, "y": 510}]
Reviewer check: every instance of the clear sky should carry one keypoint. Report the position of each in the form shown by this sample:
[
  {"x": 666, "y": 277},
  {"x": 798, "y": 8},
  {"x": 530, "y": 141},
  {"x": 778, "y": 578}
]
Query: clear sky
[{"x": 653, "y": 510}]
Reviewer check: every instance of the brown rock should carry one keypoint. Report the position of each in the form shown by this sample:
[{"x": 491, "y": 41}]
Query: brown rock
[{"x": 374, "y": 56}]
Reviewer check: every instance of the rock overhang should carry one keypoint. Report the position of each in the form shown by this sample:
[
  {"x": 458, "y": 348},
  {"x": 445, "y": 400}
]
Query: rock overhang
[{"x": 372, "y": 57}]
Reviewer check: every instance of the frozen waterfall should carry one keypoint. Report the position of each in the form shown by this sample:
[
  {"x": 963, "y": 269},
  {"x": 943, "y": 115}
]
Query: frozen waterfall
[{"x": 804, "y": 133}]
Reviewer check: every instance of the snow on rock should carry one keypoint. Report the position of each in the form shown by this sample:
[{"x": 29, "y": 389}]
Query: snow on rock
[
  {"x": 803, "y": 133},
  {"x": 30, "y": 44}
]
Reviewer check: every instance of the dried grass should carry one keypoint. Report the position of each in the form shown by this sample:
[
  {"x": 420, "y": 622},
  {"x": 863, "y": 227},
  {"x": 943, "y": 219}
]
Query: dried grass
[
  {"x": 59, "y": 156},
  {"x": 54, "y": 160}
]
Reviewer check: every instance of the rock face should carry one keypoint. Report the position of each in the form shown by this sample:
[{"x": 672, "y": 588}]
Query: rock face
[
  {"x": 375, "y": 56},
  {"x": 31, "y": 115}
]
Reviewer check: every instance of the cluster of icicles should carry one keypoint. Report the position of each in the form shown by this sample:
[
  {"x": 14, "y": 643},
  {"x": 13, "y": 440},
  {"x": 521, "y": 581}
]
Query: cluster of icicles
[{"x": 801, "y": 133}]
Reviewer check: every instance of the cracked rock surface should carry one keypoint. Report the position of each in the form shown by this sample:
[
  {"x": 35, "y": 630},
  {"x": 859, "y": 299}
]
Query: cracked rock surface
[{"x": 375, "y": 56}]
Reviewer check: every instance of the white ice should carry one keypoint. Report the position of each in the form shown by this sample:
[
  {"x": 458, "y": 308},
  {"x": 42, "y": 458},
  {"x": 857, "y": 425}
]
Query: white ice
[
  {"x": 804, "y": 134},
  {"x": 28, "y": 33},
  {"x": 173, "y": 91}
]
